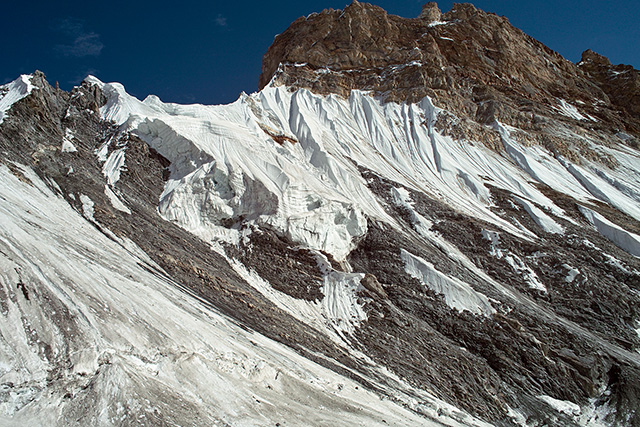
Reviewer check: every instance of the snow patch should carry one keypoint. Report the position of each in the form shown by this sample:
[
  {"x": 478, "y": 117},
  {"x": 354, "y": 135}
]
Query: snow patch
[
  {"x": 563, "y": 406},
  {"x": 67, "y": 145},
  {"x": 572, "y": 273},
  {"x": 402, "y": 198},
  {"x": 115, "y": 200},
  {"x": 307, "y": 312},
  {"x": 517, "y": 417},
  {"x": 569, "y": 110},
  {"x": 114, "y": 165},
  {"x": 14, "y": 92},
  {"x": 457, "y": 294},
  {"x": 525, "y": 271},
  {"x": 626, "y": 240},
  {"x": 93, "y": 80},
  {"x": 494, "y": 238},
  {"x": 543, "y": 220},
  {"x": 611, "y": 260},
  {"x": 87, "y": 207},
  {"x": 340, "y": 300}
]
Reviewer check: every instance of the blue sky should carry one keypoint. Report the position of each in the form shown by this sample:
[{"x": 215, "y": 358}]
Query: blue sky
[{"x": 208, "y": 52}]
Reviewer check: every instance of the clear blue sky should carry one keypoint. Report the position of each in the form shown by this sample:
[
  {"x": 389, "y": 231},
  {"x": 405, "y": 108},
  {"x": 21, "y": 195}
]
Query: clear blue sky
[{"x": 209, "y": 51}]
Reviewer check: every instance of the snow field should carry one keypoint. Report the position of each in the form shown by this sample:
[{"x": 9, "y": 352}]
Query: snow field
[
  {"x": 226, "y": 166},
  {"x": 137, "y": 345}
]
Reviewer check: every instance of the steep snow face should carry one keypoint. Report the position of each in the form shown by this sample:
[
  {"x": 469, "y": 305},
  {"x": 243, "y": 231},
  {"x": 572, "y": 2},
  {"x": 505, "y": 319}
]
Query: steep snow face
[
  {"x": 457, "y": 294},
  {"x": 626, "y": 240},
  {"x": 289, "y": 160},
  {"x": 14, "y": 92},
  {"x": 128, "y": 345}
]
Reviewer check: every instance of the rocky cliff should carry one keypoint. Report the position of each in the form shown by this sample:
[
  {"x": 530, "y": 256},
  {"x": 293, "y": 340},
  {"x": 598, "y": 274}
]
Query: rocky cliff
[{"x": 474, "y": 64}]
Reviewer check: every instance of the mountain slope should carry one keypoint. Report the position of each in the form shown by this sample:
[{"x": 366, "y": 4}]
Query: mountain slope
[{"x": 429, "y": 249}]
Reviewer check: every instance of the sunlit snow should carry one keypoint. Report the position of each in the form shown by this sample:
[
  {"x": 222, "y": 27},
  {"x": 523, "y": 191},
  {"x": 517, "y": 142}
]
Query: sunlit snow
[
  {"x": 226, "y": 165},
  {"x": 457, "y": 294},
  {"x": 14, "y": 92},
  {"x": 627, "y": 240},
  {"x": 133, "y": 340}
]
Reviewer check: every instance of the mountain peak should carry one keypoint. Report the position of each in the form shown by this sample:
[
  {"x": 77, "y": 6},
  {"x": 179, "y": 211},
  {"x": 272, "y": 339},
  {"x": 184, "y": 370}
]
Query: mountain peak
[
  {"x": 591, "y": 56},
  {"x": 452, "y": 237},
  {"x": 472, "y": 63},
  {"x": 431, "y": 12}
]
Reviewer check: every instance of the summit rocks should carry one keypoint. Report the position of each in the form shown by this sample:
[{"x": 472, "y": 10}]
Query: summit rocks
[
  {"x": 621, "y": 82},
  {"x": 473, "y": 64}
]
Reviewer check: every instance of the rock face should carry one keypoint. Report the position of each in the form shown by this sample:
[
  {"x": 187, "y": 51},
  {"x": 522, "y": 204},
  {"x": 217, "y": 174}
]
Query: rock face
[
  {"x": 474, "y": 64},
  {"x": 621, "y": 82},
  {"x": 448, "y": 238}
]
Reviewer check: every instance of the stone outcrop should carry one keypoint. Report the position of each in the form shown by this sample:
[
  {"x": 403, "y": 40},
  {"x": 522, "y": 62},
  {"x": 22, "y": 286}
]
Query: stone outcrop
[
  {"x": 621, "y": 82},
  {"x": 471, "y": 63}
]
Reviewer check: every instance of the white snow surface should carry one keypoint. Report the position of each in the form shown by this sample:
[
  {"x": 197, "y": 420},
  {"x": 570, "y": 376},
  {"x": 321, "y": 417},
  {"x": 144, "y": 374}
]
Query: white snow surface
[
  {"x": 225, "y": 166},
  {"x": 67, "y": 144},
  {"x": 564, "y": 406},
  {"x": 457, "y": 294},
  {"x": 340, "y": 303},
  {"x": 569, "y": 110},
  {"x": 422, "y": 225},
  {"x": 14, "y": 92},
  {"x": 572, "y": 273},
  {"x": 543, "y": 220},
  {"x": 626, "y": 240},
  {"x": 136, "y": 344},
  {"x": 115, "y": 200},
  {"x": 87, "y": 207},
  {"x": 113, "y": 165}
]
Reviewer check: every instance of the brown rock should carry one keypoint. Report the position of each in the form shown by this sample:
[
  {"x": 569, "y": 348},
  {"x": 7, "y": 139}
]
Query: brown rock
[
  {"x": 621, "y": 82},
  {"x": 370, "y": 282},
  {"x": 474, "y": 64},
  {"x": 431, "y": 12}
]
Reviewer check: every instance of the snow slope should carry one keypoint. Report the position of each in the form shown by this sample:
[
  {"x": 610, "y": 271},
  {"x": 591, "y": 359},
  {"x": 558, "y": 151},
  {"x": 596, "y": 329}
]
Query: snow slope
[
  {"x": 457, "y": 294},
  {"x": 626, "y": 240},
  {"x": 99, "y": 315},
  {"x": 127, "y": 345},
  {"x": 14, "y": 92},
  {"x": 227, "y": 164}
]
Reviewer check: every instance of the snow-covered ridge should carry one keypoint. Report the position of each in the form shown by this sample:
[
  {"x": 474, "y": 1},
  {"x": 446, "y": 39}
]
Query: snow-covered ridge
[
  {"x": 14, "y": 92},
  {"x": 226, "y": 167}
]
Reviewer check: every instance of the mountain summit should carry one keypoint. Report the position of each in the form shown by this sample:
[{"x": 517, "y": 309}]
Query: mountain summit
[
  {"x": 473, "y": 64},
  {"x": 430, "y": 221}
]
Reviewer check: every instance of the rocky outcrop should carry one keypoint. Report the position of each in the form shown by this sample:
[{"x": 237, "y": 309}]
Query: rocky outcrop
[
  {"x": 474, "y": 64},
  {"x": 620, "y": 82}
]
